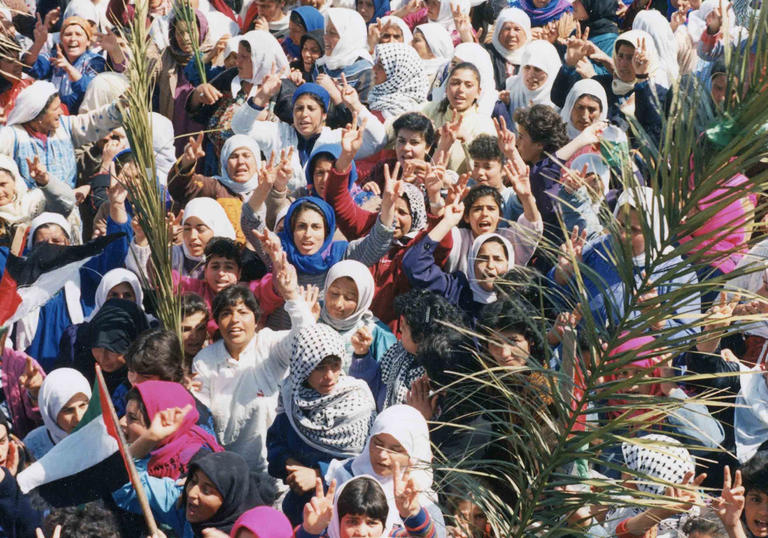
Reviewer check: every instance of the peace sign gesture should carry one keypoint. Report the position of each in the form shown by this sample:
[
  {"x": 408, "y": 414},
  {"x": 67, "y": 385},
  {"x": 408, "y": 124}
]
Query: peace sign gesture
[
  {"x": 518, "y": 176},
  {"x": 730, "y": 504},
  {"x": 640, "y": 58},
  {"x": 32, "y": 379},
  {"x": 393, "y": 189},
  {"x": 192, "y": 152},
  {"x": 570, "y": 254},
  {"x": 374, "y": 34},
  {"x": 270, "y": 85},
  {"x": 284, "y": 170},
  {"x": 349, "y": 96},
  {"x": 573, "y": 180},
  {"x": 37, "y": 171},
  {"x": 319, "y": 510},
  {"x": 406, "y": 493}
]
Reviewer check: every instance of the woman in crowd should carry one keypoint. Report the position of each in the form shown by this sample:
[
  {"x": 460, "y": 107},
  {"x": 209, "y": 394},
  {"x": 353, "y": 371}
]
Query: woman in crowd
[
  {"x": 434, "y": 46},
  {"x": 511, "y": 33},
  {"x": 400, "y": 83},
  {"x": 303, "y": 19}
]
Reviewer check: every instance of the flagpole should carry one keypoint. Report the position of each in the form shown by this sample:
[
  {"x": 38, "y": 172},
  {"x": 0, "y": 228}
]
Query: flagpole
[{"x": 122, "y": 445}]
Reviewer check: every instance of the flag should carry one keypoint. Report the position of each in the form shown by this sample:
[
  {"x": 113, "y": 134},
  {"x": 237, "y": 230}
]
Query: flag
[
  {"x": 31, "y": 281},
  {"x": 84, "y": 466}
]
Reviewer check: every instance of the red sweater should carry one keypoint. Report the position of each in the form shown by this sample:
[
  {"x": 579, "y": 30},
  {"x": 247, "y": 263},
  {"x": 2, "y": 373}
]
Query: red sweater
[{"x": 388, "y": 274}]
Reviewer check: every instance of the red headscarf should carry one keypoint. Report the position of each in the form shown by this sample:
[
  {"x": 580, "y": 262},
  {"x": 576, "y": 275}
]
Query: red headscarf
[{"x": 171, "y": 457}]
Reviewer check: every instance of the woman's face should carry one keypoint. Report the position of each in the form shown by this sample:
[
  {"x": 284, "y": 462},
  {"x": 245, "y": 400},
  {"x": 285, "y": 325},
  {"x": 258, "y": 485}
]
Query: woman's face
[
  {"x": 241, "y": 165},
  {"x": 310, "y": 52},
  {"x": 483, "y": 216},
  {"x": 623, "y": 61},
  {"x": 756, "y": 512},
  {"x": 309, "y": 232},
  {"x": 360, "y": 526},
  {"x": 410, "y": 145},
  {"x": 433, "y": 9},
  {"x": 421, "y": 47},
  {"x": 331, "y": 37},
  {"x": 530, "y": 150},
  {"x": 366, "y": 9},
  {"x": 122, "y": 291},
  {"x": 220, "y": 272},
  {"x": 631, "y": 230},
  {"x": 237, "y": 324},
  {"x": 325, "y": 376},
  {"x": 110, "y": 361},
  {"x": 203, "y": 499},
  {"x": 579, "y": 11},
  {"x": 631, "y": 371},
  {"x": 308, "y": 116},
  {"x": 7, "y": 188},
  {"x": 296, "y": 31},
  {"x": 491, "y": 262},
  {"x": 74, "y": 42},
  {"x": 510, "y": 349},
  {"x": 391, "y": 33},
  {"x": 585, "y": 112},
  {"x": 48, "y": 121},
  {"x": 244, "y": 62},
  {"x": 384, "y": 451},
  {"x": 533, "y": 77},
  {"x": 512, "y": 36},
  {"x": 196, "y": 234},
  {"x": 403, "y": 219},
  {"x": 341, "y": 298},
  {"x": 194, "y": 333},
  {"x": 270, "y": 10},
  {"x": 72, "y": 412},
  {"x": 463, "y": 89},
  {"x": 379, "y": 75},
  {"x": 541, "y": 3},
  {"x": 133, "y": 423},
  {"x": 320, "y": 172},
  {"x": 183, "y": 39},
  {"x": 719, "y": 87}
]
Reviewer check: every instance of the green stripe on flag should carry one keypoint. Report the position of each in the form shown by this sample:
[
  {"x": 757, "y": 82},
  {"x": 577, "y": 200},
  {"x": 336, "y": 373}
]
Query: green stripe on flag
[{"x": 94, "y": 408}]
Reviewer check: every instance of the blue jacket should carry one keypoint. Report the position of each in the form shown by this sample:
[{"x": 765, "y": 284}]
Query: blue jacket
[{"x": 71, "y": 93}]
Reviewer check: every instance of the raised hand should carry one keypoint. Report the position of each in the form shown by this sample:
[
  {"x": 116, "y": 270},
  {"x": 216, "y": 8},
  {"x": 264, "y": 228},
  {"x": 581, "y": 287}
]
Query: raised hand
[
  {"x": 570, "y": 254},
  {"x": 458, "y": 190},
  {"x": 193, "y": 151},
  {"x": 450, "y": 132},
  {"x": 563, "y": 322},
  {"x": 330, "y": 86},
  {"x": 60, "y": 60},
  {"x": 300, "y": 479},
  {"x": 56, "y": 532},
  {"x": 393, "y": 189},
  {"x": 40, "y": 33},
  {"x": 680, "y": 17},
  {"x": 685, "y": 493},
  {"x": 573, "y": 180},
  {"x": 507, "y": 139},
  {"x": 374, "y": 34},
  {"x": 284, "y": 170},
  {"x": 434, "y": 182},
  {"x": 319, "y": 510},
  {"x": 167, "y": 422},
  {"x": 349, "y": 96},
  {"x": 207, "y": 94},
  {"x": 287, "y": 280},
  {"x": 585, "y": 69},
  {"x": 371, "y": 186},
  {"x": 31, "y": 380},
  {"x": 418, "y": 395},
  {"x": 730, "y": 504},
  {"x": 406, "y": 493},
  {"x": 272, "y": 247},
  {"x": 311, "y": 295},
  {"x": 518, "y": 176},
  {"x": 361, "y": 341},
  {"x": 38, "y": 171},
  {"x": 352, "y": 136},
  {"x": 296, "y": 77},
  {"x": 51, "y": 18},
  {"x": 270, "y": 84},
  {"x": 640, "y": 58}
]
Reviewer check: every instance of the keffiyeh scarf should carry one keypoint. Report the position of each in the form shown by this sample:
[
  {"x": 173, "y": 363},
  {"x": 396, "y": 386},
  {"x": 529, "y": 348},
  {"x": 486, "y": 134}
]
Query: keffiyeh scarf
[
  {"x": 406, "y": 85},
  {"x": 398, "y": 371}
]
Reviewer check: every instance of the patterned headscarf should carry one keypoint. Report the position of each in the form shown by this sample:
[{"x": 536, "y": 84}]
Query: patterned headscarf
[
  {"x": 663, "y": 459},
  {"x": 406, "y": 85},
  {"x": 337, "y": 423},
  {"x": 415, "y": 199},
  {"x": 399, "y": 370}
]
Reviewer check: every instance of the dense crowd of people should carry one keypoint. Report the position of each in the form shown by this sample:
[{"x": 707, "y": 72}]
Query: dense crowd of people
[{"x": 348, "y": 185}]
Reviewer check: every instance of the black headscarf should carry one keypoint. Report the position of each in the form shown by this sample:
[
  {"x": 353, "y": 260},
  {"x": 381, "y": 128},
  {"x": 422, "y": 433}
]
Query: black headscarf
[
  {"x": 240, "y": 489},
  {"x": 602, "y": 16}
]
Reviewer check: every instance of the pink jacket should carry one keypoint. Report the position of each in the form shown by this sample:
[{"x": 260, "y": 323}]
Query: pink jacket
[{"x": 25, "y": 414}]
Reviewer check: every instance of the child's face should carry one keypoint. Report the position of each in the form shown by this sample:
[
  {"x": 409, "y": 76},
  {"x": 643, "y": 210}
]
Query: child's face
[
  {"x": 221, "y": 272},
  {"x": 471, "y": 518},
  {"x": 341, "y": 298},
  {"x": 629, "y": 371},
  {"x": 511, "y": 349},
  {"x": 194, "y": 332},
  {"x": 756, "y": 512},
  {"x": 491, "y": 263},
  {"x": 325, "y": 376},
  {"x": 133, "y": 423},
  {"x": 385, "y": 451},
  {"x": 487, "y": 172},
  {"x": 483, "y": 216},
  {"x": 359, "y": 526}
]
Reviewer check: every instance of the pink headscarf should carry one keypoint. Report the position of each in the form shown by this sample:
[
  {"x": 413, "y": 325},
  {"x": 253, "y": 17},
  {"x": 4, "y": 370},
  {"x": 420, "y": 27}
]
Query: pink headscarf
[
  {"x": 645, "y": 359},
  {"x": 264, "y": 522},
  {"x": 171, "y": 458},
  {"x": 727, "y": 229}
]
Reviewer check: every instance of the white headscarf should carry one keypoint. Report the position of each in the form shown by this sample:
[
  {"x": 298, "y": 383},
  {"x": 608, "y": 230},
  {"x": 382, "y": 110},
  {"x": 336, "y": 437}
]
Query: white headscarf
[
  {"x": 658, "y": 27},
  {"x": 478, "y": 293},
  {"x": 265, "y": 51},
  {"x": 58, "y": 388},
  {"x": 519, "y": 17},
  {"x": 363, "y": 280},
  {"x": 353, "y": 39},
  {"x": 48, "y": 218},
  {"x": 334, "y": 529},
  {"x": 84, "y": 9},
  {"x": 649, "y": 206},
  {"x": 103, "y": 89},
  {"x": 542, "y": 55},
  {"x": 233, "y": 143},
  {"x": 406, "y": 86},
  {"x": 162, "y": 144},
  {"x": 751, "y": 414},
  {"x": 479, "y": 57},
  {"x": 110, "y": 280},
  {"x": 445, "y": 17},
  {"x": 440, "y": 44},
  {"x": 583, "y": 87},
  {"x": 633, "y": 37},
  {"x": 400, "y": 23},
  {"x": 408, "y": 427},
  {"x": 31, "y": 101},
  {"x": 595, "y": 165},
  {"x": 213, "y": 215}
]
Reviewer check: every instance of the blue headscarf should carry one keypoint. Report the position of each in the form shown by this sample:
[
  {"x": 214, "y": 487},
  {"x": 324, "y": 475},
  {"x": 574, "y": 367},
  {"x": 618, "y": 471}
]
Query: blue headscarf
[
  {"x": 380, "y": 9},
  {"x": 334, "y": 150},
  {"x": 541, "y": 16},
  {"x": 313, "y": 89},
  {"x": 312, "y": 19},
  {"x": 330, "y": 252}
]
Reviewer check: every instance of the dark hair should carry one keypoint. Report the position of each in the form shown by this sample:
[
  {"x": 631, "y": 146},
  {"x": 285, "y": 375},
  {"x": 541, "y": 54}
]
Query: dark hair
[
  {"x": 91, "y": 520},
  {"x": 486, "y": 147},
  {"x": 754, "y": 473},
  {"x": 706, "y": 522},
  {"x": 222, "y": 247},
  {"x": 595, "y": 98},
  {"x": 156, "y": 352},
  {"x": 416, "y": 122},
  {"x": 477, "y": 192},
  {"x": 230, "y": 296},
  {"x": 192, "y": 303},
  {"x": 314, "y": 97},
  {"x": 135, "y": 395},
  {"x": 363, "y": 496},
  {"x": 122, "y": 159},
  {"x": 308, "y": 206},
  {"x": 445, "y": 351},
  {"x": 544, "y": 125},
  {"x": 517, "y": 316},
  {"x": 444, "y": 104},
  {"x": 245, "y": 43},
  {"x": 422, "y": 309}
]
